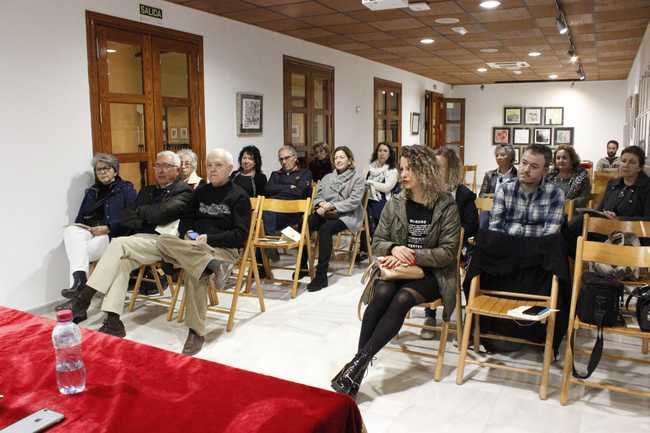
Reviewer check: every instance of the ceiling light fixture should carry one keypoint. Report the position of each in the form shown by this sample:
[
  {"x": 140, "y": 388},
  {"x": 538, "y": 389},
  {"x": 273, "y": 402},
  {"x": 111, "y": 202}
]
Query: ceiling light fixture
[
  {"x": 516, "y": 72},
  {"x": 447, "y": 20},
  {"x": 489, "y": 50},
  {"x": 419, "y": 6},
  {"x": 581, "y": 73},
  {"x": 482, "y": 69},
  {"x": 427, "y": 41},
  {"x": 573, "y": 57},
  {"x": 490, "y": 4},
  {"x": 460, "y": 30},
  {"x": 562, "y": 26},
  {"x": 534, "y": 54},
  {"x": 111, "y": 50},
  {"x": 553, "y": 76}
]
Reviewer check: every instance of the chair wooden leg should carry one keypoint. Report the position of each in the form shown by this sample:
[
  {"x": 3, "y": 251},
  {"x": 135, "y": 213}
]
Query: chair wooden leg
[
  {"x": 356, "y": 241},
  {"x": 294, "y": 287},
  {"x": 548, "y": 355},
  {"x": 644, "y": 346},
  {"x": 477, "y": 334},
  {"x": 175, "y": 292},
  {"x": 156, "y": 279},
  {"x": 441, "y": 351},
  {"x": 181, "y": 310},
  {"x": 463, "y": 347},
  {"x": 213, "y": 298},
  {"x": 567, "y": 367},
  {"x": 136, "y": 288},
  {"x": 267, "y": 265},
  {"x": 258, "y": 286},
  {"x": 233, "y": 304}
]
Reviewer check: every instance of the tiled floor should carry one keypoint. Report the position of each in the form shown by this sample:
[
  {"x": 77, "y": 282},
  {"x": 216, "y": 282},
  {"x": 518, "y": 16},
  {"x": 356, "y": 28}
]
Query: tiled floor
[{"x": 309, "y": 338}]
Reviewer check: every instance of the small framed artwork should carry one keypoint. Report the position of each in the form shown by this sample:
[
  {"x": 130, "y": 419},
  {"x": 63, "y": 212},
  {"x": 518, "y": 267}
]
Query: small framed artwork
[
  {"x": 517, "y": 155},
  {"x": 500, "y": 135},
  {"x": 512, "y": 115},
  {"x": 520, "y": 136},
  {"x": 184, "y": 133},
  {"x": 174, "y": 132},
  {"x": 249, "y": 114},
  {"x": 553, "y": 116},
  {"x": 533, "y": 115},
  {"x": 415, "y": 123},
  {"x": 563, "y": 136},
  {"x": 542, "y": 136}
]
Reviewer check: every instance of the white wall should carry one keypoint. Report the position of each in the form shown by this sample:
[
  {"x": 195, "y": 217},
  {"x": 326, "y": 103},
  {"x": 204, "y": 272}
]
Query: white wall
[
  {"x": 640, "y": 65},
  {"x": 595, "y": 109},
  {"x": 45, "y": 119}
]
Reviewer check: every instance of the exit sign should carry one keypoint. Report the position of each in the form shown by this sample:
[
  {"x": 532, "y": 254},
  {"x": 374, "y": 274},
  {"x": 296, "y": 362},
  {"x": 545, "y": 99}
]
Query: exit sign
[{"x": 150, "y": 11}]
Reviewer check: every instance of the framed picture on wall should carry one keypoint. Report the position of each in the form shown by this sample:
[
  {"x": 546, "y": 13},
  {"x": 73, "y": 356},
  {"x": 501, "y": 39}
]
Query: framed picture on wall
[
  {"x": 249, "y": 114},
  {"x": 520, "y": 135},
  {"x": 500, "y": 135},
  {"x": 415, "y": 123},
  {"x": 542, "y": 136},
  {"x": 553, "y": 116},
  {"x": 533, "y": 115},
  {"x": 174, "y": 132},
  {"x": 512, "y": 115},
  {"x": 184, "y": 133},
  {"x": 563, "y": 136}
]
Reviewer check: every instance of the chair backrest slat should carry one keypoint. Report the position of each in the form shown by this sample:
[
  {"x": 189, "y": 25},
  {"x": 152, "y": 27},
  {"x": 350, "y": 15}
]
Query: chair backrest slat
[{"x": 605, "y": 226}]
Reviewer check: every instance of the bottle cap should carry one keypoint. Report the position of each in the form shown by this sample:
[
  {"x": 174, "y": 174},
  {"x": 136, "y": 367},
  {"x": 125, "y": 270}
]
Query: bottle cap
[{"x": 64, "y": 315}]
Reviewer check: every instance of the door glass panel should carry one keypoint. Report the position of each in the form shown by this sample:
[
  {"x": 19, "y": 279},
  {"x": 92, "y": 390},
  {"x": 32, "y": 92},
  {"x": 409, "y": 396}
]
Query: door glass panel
[
  {"x": 393, "y": 98},
  {"x": 393, "y": 131},
  {"x": 452, "y": 133},
  {"x": 134, "y": 172},
  {"x": 173, "y": 74},
  {"x": 298, "y": 129},
  {"x": 381, "y": 102},
  {"x": 127, "y": 128},
  {"x": 453, "y": 111},
  {"x": 124, "y": 62},
  {"x": 298, "y": 98},
  {"x": 319, "y": 129},
  {"x": 320, "y": 94},
  {"x": 381, "y": 130},
  {"x": 176, "y": 128}
]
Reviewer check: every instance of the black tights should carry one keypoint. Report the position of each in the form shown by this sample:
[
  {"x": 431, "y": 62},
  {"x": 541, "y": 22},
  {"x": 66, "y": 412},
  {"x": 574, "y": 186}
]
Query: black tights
[{"x": 384, "y": 316}]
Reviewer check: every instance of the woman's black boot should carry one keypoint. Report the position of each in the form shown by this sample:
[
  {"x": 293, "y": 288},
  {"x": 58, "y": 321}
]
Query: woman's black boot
[
  {"x": 79, "y": 281},
  {"x": 348, "y": 380}
]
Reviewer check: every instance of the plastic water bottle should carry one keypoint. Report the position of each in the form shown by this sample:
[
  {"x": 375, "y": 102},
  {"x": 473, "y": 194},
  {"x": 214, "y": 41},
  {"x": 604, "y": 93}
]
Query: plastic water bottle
[{"x": 70, "y": 368}]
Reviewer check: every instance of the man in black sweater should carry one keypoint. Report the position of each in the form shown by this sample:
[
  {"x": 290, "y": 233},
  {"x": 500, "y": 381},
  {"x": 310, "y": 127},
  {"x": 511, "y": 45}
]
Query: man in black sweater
[
  {"x": 214, "y": 230},
  {"x": 156, "y": 206}
]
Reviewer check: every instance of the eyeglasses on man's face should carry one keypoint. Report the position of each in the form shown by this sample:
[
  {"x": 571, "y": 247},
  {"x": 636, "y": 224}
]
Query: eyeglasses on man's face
[
  {"x": 103, "y": 169},
  {"x": 285, "y": 158},
  {"x": 163, "y": 166}
]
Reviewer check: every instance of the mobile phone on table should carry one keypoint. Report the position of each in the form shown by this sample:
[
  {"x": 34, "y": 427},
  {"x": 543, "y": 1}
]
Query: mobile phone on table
[
  {"x": 192, "y": 235},
  {"x": 535, "y": 311},
  {"x": 36, "y": 422}
]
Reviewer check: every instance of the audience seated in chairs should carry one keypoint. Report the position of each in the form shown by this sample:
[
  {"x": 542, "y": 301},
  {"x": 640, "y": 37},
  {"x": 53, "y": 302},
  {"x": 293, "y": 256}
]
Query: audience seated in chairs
[
  {"x": 381, "y": 179},
  {"x": 451, "y": 173},
  {"x": 250, "y": 176},
  {"x": 337, "y": 207},
  {"x": 504, "y": 154},
  {"x": 320, "y": 164},
  {"x": 98, "y": 220},
  {"x": 215, "y": 229},
  {"x": 189, "y": 162},
  {"x": 156, "y": 205},
  {"x": 611, "y": 160},
  {"x": 529, "y": 206},
  {"x": 419, "y": 226},
  {"x": 626, "y": 197},
  {"x": 569, "y": 176}
]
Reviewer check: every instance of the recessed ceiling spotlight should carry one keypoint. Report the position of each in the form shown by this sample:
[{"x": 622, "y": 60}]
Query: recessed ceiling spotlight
[
  {"x": 482, "y": 69},
  {"x": 460, "y": 30},
  {"x": 111, "y": 50},
  {"x": 447, "y": 20},
  {"x": 562, "y": 26},
  {"x": 573, "y": 57},
  {"x": 490, "y": 4},
  {"x": 534, "y": 54},
  {"x": 427, "y": 41},
  {"x": 489, "y": 50},
  {"x": 552, "y": 76},
  {"x": 516, "y": 72}
]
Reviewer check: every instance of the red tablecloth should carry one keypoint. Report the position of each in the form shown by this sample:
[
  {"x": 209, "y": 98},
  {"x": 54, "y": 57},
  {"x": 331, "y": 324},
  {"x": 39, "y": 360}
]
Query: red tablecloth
[{"x": 133, "y": 387}]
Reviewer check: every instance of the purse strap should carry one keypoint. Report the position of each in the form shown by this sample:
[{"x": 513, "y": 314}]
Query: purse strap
[{"x": 596, "y": 352}]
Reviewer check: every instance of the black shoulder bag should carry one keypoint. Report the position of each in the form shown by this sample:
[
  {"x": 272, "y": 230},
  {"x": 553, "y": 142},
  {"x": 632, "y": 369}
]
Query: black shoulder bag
[
  {"x": 642, "y": 306},
  {"x": 598, "y": 304}
]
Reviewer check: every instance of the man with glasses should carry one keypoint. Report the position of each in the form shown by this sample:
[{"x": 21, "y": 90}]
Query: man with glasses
[{"x": 155, "y": 207}]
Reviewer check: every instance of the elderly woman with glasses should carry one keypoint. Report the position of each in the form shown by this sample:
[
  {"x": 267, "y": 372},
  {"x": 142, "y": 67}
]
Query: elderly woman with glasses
[
  {"x": 504, "y": 154},
  {"x": 98, "y": 220},
  {"x": 189, "y": 162}
]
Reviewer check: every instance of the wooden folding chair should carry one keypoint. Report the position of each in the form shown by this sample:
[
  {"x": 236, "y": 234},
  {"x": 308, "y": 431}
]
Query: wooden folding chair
[
  {"x": 494, "y": 303},
  {"x": 470, "y": 169},
  {"x": 444, "y": 329},
  {"x": 602, "y": 178},
  {"x": 355, "y": 239},
  {"x": 617, "y": 255},
  {"x": 243, "y": 272},
  {"x": 484, "y": 204},
  {"x": 264, "y": 242},
  {"x": 157, "y": 272},
  {"x": 569, "y": 209}
]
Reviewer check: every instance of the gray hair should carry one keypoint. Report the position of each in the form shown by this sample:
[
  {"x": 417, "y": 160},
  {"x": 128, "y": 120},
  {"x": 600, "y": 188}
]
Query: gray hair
[
  {"x": 223, "y": 154},
  {"x": 289, "y": 149},
  {"x": 510, "y": 151},
  {"x": 176, "y": 160},
  {"x": 194, "y": 160},
  {"x": 107, "y": 159}
]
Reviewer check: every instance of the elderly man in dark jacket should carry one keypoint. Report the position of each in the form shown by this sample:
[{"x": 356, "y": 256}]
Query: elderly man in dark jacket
[{"x": 156, "y": 206}]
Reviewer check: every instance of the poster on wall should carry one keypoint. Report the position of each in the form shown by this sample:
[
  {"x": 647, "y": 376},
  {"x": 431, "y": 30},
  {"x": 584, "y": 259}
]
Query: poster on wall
[
  {"x": 249, "y": 114},
  {"x": 563, "y": 136},
  {"x": 512, "y": 115},
  {"x": 533, "y": 115},
  {"x": 542, "y": 136},
  {"x": 500, "y": 135},
  {"x": 553, "y": 116}
]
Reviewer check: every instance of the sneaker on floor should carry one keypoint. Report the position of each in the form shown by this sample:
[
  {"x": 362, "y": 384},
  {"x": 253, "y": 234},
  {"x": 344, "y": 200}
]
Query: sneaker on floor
[
  {"x": 428, "y": 334},
  {"x": 193, "y": 343},
  {"x": 113, "y": 327}
]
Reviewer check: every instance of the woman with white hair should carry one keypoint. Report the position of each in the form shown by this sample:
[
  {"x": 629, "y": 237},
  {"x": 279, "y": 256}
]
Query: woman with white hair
[
  {"x": 504, "y": 154},
  {"x": 189, "y": 162},
  {"x": 98, "y": 220}
]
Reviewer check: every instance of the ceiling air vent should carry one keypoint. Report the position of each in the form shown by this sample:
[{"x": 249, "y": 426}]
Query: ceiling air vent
[
  {"x": 509, "y": 66},
  {"x": 379, "y": 5}
]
